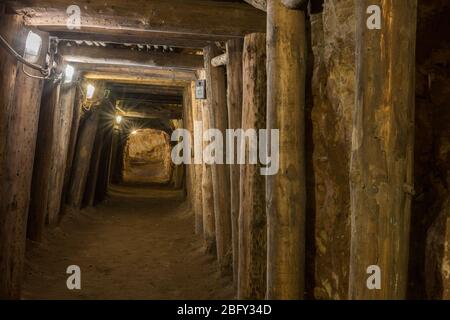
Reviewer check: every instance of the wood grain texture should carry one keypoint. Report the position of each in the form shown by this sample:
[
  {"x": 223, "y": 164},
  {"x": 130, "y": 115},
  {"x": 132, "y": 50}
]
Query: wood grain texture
[
  {"x": 252, "y": 214},
  {"x": 234, "y": 105},
  {"x": 381, "y": 173},
  {"x": 20, "y": 102},
  {"x": 286, "y": 194},
  {"x": 217, "y": 100}
]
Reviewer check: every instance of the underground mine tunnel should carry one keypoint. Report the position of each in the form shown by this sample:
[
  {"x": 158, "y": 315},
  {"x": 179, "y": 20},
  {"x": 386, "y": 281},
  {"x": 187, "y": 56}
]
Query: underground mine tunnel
[{"x": 124, "y": 175}]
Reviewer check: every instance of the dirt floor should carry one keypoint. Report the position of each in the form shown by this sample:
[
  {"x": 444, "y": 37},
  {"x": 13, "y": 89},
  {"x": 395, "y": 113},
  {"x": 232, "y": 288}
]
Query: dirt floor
[{"x": 139, "y": 244}]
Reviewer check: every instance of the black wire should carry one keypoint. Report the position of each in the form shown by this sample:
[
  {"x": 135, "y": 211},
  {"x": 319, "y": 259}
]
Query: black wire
[{"x": 13, "y": 52}]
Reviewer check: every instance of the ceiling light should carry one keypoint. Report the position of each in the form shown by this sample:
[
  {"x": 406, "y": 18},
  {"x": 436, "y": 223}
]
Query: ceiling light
[
  {"x": 90, "y": 91},
  {"x": 119, "y": 119},
  {"x": 32, "y": 47},
  {"x": 70, "y": 71},
  {"x": 134, "y": 132}
]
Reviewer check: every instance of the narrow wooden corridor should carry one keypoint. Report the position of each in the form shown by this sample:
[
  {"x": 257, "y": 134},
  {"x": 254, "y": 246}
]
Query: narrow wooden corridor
[{"x": 133, "y": 246}]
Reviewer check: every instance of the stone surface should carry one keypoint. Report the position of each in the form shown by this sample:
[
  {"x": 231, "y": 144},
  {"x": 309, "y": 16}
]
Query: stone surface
[{"x": 147, "y": 157}]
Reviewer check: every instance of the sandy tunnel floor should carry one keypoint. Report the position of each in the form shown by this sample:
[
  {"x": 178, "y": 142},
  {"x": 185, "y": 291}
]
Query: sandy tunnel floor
[{"x": 129, "y": 247}]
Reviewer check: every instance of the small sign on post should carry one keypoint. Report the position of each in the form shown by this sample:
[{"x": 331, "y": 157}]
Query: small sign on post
[{"x": 200, "y": 89}]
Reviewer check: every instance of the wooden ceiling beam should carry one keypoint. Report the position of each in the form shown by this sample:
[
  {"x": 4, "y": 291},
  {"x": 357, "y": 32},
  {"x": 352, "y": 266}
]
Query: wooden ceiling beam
[
  {"x": 153, "y": 98},
  {"x": 137, "y": 78},
  {"x": 152, "y": 114},
  {"x": 190, "y": 19},
  {"x": 119, "y": 89},
  {"x": 159, "y": 39},
  {"x": 135, "y": 75},
  {"x": 127, "y": 57}
]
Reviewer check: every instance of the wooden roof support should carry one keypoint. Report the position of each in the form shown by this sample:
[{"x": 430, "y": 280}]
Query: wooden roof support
[
  {"x": 134, "y": 74},
  {"x": 381, "y": 171},
  {"x": 189, "y": 19},
  {"x": 217, "y": 107},
  {"x": 126, "y": 57},
  {"x": 119, "y": 89},
  {"x": 153, "y": 114},
  {"x": 286, "y": 76},
  {"x": 234, "y": 107}
]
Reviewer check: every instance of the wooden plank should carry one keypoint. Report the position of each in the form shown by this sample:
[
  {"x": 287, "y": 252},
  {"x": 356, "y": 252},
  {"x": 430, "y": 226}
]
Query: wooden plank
[
  {"x": 188, "y": 125},
  {"x": 197, "y": 168},
  {"x": 120, "y": 90},
  {"x": 43, "y": 161},
  {"x": 104, "y": 168},
  {"x": 252, "y": 215},
  {"x": 127, "y": 77},
  {"x": 19, "y": 115},
  {"x": 76, "y": 119},
  {"x": 234, "y": 105},
  {"x": 82, "y": 158},
  {"x": 381, "y": 173},
  {"x": 61, "y": 136},
  {"x": 92, "y": 176},
  {"x": 188, "y": 18},
  {"x": 286, "y": 195},
  {"x": 137, "y": 75},
  {"x": 130, "y": 58},
  {"x": 217, "y": 100},
  {"x": 160, "y": 39},
  {"x": 209, "y": 221}
]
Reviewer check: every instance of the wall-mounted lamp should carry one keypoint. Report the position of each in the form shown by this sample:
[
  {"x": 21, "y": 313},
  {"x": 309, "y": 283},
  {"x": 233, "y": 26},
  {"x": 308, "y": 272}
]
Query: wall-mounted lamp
[
  {"x": 119, "y": 119},
  {"x": 90, "y": 91},
  {"x": 70, "y": 71},
  {"x": 33, "y": 47}
]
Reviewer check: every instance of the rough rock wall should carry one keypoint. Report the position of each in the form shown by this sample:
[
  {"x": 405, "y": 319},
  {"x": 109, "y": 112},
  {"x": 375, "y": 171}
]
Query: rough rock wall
[
  {"x": 429, "y": 268},
  {"x": 147, "y": 157},
  {"x": 333, "y": 44}
]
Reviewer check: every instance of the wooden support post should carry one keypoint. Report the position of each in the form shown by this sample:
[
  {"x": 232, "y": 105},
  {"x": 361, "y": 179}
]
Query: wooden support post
[
  {"x": 381, "y": 174},
  {"x": 76, "y": 118},
  {"x": 61, "y": 137},
  {"x": 92, "y": 176},
  {"x": 252, "y": 215},
  {"x": 234, "y": 103},
  {"x": 113, "y": 176},
  {"x": 217, "y": 100},
  {"x": 20, "y": 98},
  {"x": 105, "y": 166},
  {"x": 286, "y": 196},
  {"x": 43, "y": 163},
  {"x": 209, "y": 225},
  {"x": 81, "y": 162},
  {"x": 188, "y": 125},
  {"x": 197, "y": 191},
  {"x": 194, "y": 20},
  {"x": 125, "y": 57}
]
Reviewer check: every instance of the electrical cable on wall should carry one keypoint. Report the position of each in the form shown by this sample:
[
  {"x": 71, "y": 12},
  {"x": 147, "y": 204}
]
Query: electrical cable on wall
[{"x": 45, "y": 72}]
